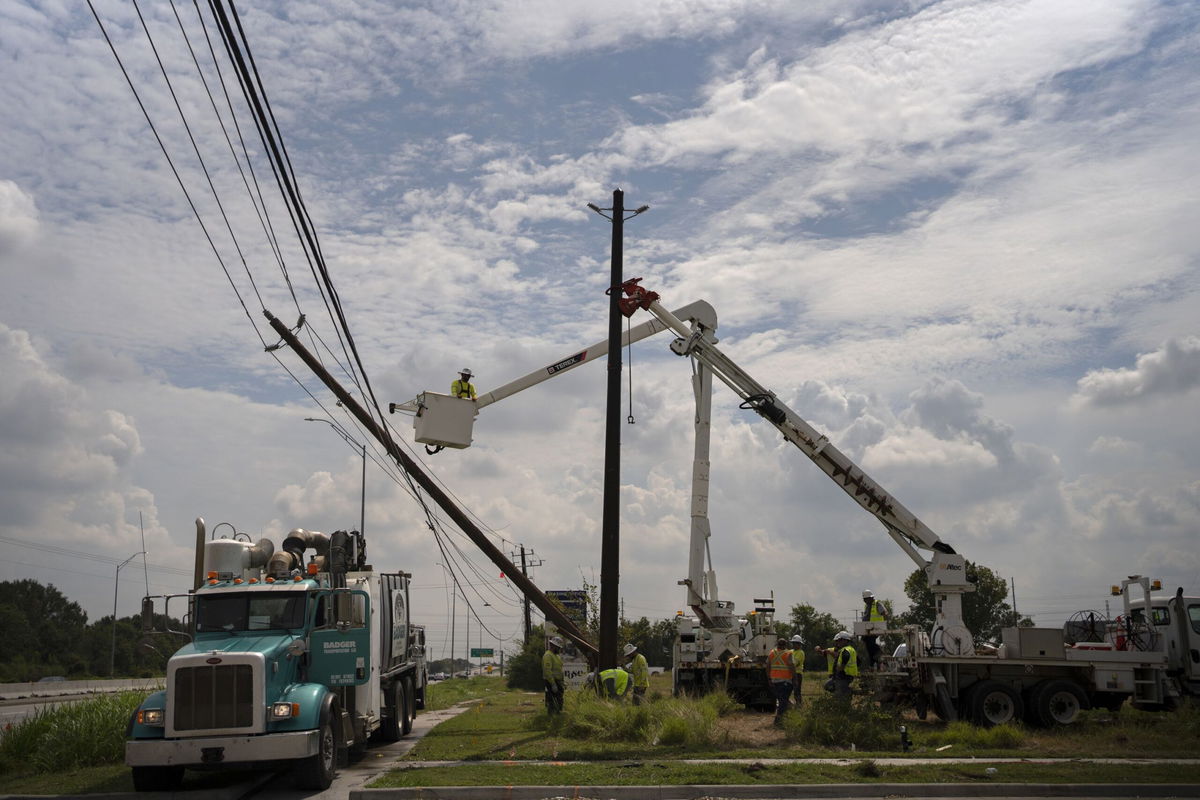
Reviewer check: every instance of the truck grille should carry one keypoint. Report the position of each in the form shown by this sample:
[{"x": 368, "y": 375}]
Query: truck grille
[{"x": 219, "y": 696}]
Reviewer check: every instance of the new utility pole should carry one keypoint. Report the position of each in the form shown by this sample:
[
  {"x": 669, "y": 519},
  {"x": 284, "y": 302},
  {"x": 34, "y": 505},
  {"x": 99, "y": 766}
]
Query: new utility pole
[
  {"x": 525, "y": 564},
  {"x": 610, "y": 528}
]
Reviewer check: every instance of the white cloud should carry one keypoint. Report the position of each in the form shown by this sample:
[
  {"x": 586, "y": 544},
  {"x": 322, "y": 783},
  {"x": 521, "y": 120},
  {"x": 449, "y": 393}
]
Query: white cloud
[
  {"x": 18, "y": 217},
  {"x": 1172, "y": 369}
]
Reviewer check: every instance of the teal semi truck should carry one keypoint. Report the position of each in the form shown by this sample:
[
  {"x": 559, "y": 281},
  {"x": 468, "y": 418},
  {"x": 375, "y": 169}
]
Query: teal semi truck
[{"x": 296, "y": 657}]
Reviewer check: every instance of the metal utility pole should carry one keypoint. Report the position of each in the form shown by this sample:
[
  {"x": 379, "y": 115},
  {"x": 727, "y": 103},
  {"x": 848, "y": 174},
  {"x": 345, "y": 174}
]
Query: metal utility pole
[
  {"x": 610, "y": 529},
  {"x": 112, "y": 661}
]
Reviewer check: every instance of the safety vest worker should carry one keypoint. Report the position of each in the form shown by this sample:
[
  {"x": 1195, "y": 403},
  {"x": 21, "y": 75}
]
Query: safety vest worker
[
  {"x": 463, "y": 388},
  {"x": 847, "y": 661},
  {"x": 620, "y": 682},
  {"x": 779, "y": 662},
  {"x": 874, "y": 609}
]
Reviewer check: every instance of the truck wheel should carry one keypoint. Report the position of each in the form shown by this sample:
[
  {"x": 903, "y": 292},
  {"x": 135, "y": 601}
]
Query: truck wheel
[
  {"x": 994, "y": 703},
  {"x": 410, "y": 713},
  {"x": 393, "y": 707},
  {"x": 157, "y": 779},
  {"x": 1057, "y": 702},
  {"x": 318, "y": 771}
]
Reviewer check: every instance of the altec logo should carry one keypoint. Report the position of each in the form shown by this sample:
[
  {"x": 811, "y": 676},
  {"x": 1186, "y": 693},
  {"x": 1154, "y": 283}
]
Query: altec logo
[{"x": 951, "y": 566}]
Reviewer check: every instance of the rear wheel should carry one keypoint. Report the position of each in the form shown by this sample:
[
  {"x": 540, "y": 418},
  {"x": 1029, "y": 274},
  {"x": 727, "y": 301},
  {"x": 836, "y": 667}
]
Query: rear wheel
[
  {"x": 994, "y": 703},
  {"x": 157, "y": 779},
  {"x": 391, "y": 724},
  {"x": 410, "y": 712},
  {"x": 1057, "y": 702}
]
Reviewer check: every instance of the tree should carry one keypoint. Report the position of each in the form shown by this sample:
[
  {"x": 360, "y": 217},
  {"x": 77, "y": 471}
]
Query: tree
[
  {"x": 984, "y": 610},
  {"x": 817, "y": 628},
  {"x": 525, "y": 668},
  {"x": 43, "y": 617}
]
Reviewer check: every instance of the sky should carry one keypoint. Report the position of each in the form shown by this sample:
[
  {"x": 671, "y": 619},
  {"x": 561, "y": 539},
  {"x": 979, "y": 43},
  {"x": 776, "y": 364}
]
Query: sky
[{"x": 957, "y": 237}]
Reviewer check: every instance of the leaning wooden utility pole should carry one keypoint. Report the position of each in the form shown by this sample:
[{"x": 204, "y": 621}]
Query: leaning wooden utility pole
[{"x": 553, "y": 613}]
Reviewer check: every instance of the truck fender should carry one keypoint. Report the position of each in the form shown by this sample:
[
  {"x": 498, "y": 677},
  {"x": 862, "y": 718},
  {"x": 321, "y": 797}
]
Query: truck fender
[
  {"x": 135, "y": 731},
  {"x": 312, "y": 698}
]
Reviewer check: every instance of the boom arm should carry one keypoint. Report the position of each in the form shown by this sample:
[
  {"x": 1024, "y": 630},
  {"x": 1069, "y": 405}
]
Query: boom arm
[{"x": 945, "y": 568}]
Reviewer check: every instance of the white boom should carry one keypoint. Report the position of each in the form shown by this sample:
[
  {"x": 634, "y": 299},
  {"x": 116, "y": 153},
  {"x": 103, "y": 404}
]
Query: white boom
[{"x": 945, "y": 569}]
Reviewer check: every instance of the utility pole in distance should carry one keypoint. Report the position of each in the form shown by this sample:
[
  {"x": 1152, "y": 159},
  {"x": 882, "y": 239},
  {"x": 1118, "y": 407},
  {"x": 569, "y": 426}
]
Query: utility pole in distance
[
  {"x": 610, "y": 528},
  {"x": 525, "y": 564}
]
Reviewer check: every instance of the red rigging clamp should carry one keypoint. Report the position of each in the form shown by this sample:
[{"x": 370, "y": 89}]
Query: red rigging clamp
[{"x": 636, "y": 297}]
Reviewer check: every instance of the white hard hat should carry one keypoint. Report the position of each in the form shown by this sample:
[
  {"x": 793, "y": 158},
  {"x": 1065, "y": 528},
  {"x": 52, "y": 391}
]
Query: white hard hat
[
  {"x": 465, "y": 371},
  {"x": 843, "y": 635},
  {"x": 556, "y": 641},
  {"x": 630, "y": 649},
  {"x": 867, "y": 593},
  {"x": 797, "y": 639}
]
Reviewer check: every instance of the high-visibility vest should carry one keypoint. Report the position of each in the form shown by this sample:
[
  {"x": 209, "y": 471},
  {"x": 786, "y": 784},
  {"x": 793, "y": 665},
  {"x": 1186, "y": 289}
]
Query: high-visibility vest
[
  {"x": 620, "y": 679},
  {"x": 462, "y": 389},
  {"x": 851, "y": 660},
  {"x": 780, "y": 665},
  {"x": 829, "y": 659},
  {"x": 552, "y": 668},
  {"x": 874, "y": 612},
  {"x": 641, "y": 672},
  {"x": 798, "y": 661}
]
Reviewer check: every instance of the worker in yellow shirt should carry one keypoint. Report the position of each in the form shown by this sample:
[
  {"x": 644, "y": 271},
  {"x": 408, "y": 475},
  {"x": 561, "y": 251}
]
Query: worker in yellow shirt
[
  {"x": 798, "y": 667},
  {"x": 640, "y": 671},
  {"x": 552, "y": 675},
  {"x": 463, "y": 388},
  {"x": 843, "y": 664}
]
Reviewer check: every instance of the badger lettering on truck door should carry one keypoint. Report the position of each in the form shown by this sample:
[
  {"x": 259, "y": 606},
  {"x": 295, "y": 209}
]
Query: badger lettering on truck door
[{"x": 341, "y": 653}]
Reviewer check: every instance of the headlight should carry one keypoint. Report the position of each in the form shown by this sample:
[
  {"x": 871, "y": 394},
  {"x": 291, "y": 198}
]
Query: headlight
[
  {"x": 285, "y": 710},
  {"x": 150, "y": 716}
]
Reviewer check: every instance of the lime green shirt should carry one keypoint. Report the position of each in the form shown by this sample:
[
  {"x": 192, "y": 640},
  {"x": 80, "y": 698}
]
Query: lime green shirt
[
  {"x": 552, "y": 669},
  {"x": 641, "y": 672}
]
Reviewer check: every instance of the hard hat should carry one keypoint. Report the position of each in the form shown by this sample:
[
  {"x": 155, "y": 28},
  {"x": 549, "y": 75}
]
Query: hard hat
[
  {"x": 556, "y": 641},
  {"x": 798, "y": 639},
  {"x": 843, "y": 635},
  {"x": 630, "y": 649},
  {"x": 867, "y": 593},
  {"x": 465, "y": 371}
]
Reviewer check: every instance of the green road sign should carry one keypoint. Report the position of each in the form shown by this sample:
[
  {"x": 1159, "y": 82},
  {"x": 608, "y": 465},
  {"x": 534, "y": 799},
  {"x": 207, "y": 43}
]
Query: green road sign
[{"x": 481, "y": 652}]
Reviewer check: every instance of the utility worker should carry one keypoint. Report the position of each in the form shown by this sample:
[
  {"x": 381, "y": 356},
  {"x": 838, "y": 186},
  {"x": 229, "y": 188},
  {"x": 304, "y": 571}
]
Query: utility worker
[
  {"x": 613, "y": 683},
  {"x": 552, "y": 675},
  {"x": 463, "y": 387},
  {"x": 873, "y": 611},
  {"x": 798, "y": 667},
  {"x": 843, "y": 664},
  {"x": 639, "y": 670},
  {"x": 782, "y": 675}
]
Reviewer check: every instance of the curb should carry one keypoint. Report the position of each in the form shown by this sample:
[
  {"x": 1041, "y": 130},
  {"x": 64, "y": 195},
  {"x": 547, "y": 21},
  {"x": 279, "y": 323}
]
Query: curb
[{"x": 782, "y": 791}]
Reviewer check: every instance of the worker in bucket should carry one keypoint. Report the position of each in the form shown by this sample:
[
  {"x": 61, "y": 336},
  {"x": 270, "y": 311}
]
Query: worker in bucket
[
  {"x": 797, "y": 642},
  {"x": 552, "y": 675},
  {"x": 843, "y": 664},
  {"x": 782, "y": 676},
  {"x": 873, "y": 611},
  {"x": 639, "y": 670},
  {"x": 463, "y": 388}
]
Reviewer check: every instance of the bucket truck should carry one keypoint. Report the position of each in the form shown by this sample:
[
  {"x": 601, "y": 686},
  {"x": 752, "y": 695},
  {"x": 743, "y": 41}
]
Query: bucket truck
[
  {"x": 1033, "y": 674},
  {"x": 716, "y": 647}
]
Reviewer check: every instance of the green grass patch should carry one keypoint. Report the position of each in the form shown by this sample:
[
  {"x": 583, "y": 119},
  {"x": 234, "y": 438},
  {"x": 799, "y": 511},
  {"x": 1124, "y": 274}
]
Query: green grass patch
[
  {"x": 686, "y": 723},
  {"x": 453, "y": 691},
  {"x": 66, "y": 736},
  {"x": 966, "y": 735},
  {"x": 667, "y": 773},
  {"x": 829, "y": 721}
]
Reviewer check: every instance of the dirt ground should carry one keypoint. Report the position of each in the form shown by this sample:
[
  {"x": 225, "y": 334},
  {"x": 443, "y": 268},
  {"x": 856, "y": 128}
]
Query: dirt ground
[{"x": 750, "y": 729}]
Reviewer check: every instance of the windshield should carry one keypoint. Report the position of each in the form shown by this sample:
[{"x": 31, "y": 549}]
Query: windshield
[{"x": 251, "y": 611}]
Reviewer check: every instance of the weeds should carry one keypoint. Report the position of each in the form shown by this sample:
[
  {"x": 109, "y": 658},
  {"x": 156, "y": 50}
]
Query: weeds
[
  {"x": 841, "y": 722},
  {"x": 964, "y": 734},
  {"x": 685, "y": 722},
  {"x": 70, "y": 735}
]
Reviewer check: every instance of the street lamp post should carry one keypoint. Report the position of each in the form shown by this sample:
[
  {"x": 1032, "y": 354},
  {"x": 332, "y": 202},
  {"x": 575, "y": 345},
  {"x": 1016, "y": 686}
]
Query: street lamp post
[
  {"x": 112, "y": 661},
  {"x": 362, "y": 508}
]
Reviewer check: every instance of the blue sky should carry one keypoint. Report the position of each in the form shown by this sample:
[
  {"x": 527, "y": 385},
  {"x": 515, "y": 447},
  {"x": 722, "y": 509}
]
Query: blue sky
[{"x": 957, "y": 236}]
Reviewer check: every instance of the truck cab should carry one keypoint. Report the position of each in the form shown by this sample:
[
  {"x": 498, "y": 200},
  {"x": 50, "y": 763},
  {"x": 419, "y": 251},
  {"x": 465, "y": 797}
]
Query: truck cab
[{"x": 1174, "y": 624}]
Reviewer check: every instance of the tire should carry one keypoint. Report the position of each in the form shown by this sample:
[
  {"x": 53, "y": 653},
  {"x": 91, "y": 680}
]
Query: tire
[
  {"x": 391, "y": 724},
  {"x": 943, "y": 706},
  {"x": 994, "y": 703},
  {"x": 157, "y": 779},
  {"x": 318, "y": 770},
  {"x": 1057, "y": 702},
  {"x": 410, "y": 713}
]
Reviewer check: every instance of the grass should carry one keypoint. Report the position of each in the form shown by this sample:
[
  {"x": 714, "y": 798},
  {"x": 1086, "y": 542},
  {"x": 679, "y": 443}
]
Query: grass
[
  {"x": 661, "y": 773},
  {"x": 69, "y": 735},
  {"x": 451, "y": 692}
]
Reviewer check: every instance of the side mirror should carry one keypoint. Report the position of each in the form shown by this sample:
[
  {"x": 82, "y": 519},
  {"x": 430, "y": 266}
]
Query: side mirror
[{"x": 147, "y": 614}]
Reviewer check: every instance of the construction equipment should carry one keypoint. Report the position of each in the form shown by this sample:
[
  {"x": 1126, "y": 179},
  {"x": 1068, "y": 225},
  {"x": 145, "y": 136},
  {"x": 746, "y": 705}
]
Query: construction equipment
[{"x": 288, "y": 662}]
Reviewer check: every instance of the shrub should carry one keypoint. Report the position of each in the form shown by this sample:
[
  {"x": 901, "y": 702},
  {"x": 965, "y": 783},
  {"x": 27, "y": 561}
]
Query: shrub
[
  {"x": 686, "y": 722},
  {"x": 840, "y": 722}
]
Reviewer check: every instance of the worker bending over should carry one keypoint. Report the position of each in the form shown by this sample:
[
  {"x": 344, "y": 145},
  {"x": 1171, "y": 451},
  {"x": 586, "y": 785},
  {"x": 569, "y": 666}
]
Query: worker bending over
[
  {"x": 798, "y": 668},
  {"x": 463, "y": 388},
  {"x": 614, "y": 683},
  {"x": 782, "y": 676},
  {"x": 552, "y": 675},
  {"x": 639, "y": 670}
]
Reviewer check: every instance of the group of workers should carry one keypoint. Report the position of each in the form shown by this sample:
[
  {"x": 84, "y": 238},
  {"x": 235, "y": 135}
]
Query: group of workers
[
  {"x": 785, "y": 666},
  {"x": 613, "y": 683}
]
